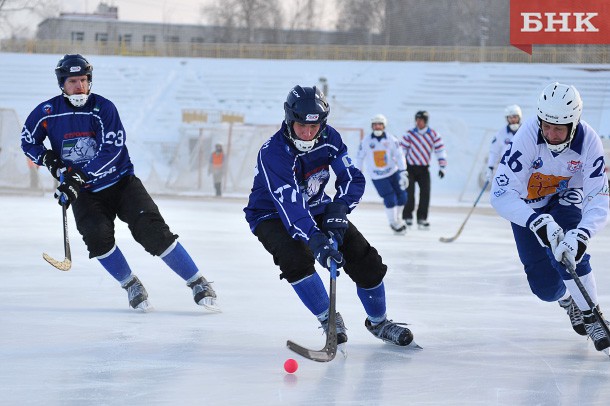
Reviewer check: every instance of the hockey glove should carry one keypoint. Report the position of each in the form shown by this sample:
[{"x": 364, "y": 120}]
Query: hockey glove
[
  {"x": 335, "y": 223},
  {"x": 403, "y": 181},
  {"x": 324, "y": 252},
  {"x": 489, "y": 173},
  {"x": 572, "y": 247},
  {"x": 547, "y": 231},
  {"x": 441, "y": 173},
  {"x": 67, "y": 192},
  {"x": 53, "y": 163}
]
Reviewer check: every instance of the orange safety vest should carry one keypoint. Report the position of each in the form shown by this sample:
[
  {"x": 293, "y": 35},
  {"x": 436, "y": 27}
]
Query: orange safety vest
[{"x": 217, "y": 158}]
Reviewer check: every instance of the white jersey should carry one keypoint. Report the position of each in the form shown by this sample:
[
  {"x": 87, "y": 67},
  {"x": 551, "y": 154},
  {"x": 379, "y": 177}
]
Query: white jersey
[
  {"x": 529, "y": 174},
  {"x": 381, "y": 156},
  {"x": 498, "y": 144}
]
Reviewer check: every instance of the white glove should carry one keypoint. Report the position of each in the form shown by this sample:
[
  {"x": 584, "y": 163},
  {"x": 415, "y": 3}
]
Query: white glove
[
  {"x": 489, "y": 173},
  {"x": 403, "y": 181},
  {"x": 548, "y": 233},
  {"x": 572, "y": 247}
]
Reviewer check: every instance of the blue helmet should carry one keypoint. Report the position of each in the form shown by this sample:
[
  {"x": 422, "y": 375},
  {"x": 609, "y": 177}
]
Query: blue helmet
[
  {"x": 305, "y": 105},
  {"x": 72, "y": 65}
]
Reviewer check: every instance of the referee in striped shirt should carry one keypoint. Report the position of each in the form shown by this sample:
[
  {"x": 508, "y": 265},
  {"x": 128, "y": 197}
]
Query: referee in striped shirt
[{"x": 419, "y": 143}]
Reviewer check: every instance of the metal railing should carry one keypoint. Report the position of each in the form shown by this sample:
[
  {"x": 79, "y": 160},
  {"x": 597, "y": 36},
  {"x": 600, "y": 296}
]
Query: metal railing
[{"x": 542, "y": 54}]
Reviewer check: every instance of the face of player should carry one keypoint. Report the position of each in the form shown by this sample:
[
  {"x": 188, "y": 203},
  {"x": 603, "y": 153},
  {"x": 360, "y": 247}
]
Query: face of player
[
  {"x": 305, "y": 132},
  {"x": 76, "y": 85},
  {"x": 554, "y": 134},
  {"x": 512, "y": 119},
  {"x": 420, "y": 123},
  {"x": 378, "y": 126}
]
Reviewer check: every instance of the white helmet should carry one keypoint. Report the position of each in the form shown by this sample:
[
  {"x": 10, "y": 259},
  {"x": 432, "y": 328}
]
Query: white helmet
[
  {"x": 560, "y": 104},
  {"x": 513, "y": 110},
  {"x": 379, "y": 119}
]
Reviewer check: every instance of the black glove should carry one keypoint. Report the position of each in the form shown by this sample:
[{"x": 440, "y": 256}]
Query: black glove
[
  {"x": 441, "y": 173},
  {"x": 68, "y": 190},
  {"x": 334, "y": 223},
  {"x": 324, "y": 252},
  {"x": 53, "y": 163}
]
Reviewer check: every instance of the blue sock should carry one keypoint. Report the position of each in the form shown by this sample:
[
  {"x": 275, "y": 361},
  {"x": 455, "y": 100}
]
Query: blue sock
[
  {"x": 179, "y": 261},
  {"x": 313, "y": 294},
  {"x": 115, "y": 263},
  {"x": 373, "y": 301}
]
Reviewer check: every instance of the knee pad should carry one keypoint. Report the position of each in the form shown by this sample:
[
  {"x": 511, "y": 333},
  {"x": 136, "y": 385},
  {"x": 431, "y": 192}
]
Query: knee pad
[
  {"x": 151, "y": 231},
  {"x": 98, "y": 237}
]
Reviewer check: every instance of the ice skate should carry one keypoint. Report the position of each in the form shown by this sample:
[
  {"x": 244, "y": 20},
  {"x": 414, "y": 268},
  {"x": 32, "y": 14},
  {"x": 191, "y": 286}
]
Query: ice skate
[
  {"x": 341, "y": 333},
  {"x": 576, "y": 317},
  {"x": 409, "y": 223},
  {"x": 136, "y": 294},
  {"x": 203, "y": 294},
  {"x": 596, "y": 331},
  {"x": 423, "y": 225},
  {"x": 391, "y": 332},
  {"x": 399, "y": 228}
]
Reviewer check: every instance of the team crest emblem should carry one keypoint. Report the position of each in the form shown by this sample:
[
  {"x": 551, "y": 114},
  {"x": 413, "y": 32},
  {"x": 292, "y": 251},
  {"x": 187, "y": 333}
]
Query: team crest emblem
[
  {"x": 537, "y": 164},
  {"x": 312, "y": 117},
  {"x": 574, "y": 166},
  {"x": 47, "y": 108}
]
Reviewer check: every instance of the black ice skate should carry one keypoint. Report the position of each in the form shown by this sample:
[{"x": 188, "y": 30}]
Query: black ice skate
[
  {"x": 203, "y": 294},
  {"x": 399, "y": 228},
  {"x": 576, "y": 317},
  {"x": 341, "y": 330},
  {"x": 423, "y": 225},
  {"x": 596, "y": 331},
  {"x": 136, "y": 294},
  {"x": 391, "y": 332}
]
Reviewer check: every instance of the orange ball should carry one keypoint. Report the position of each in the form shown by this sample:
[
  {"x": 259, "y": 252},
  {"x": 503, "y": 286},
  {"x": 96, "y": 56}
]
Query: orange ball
[{"x": 291, "y": 365}]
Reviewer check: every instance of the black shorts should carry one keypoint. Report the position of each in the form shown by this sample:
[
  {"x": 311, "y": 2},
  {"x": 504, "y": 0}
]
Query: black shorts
[
  {"x": 128, "y": 200},
  {"x": 363, "y": 264}
]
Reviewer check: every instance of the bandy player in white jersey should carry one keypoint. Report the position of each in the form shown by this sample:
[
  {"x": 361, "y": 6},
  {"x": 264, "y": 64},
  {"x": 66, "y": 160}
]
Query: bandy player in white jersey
[
  {"x": 551, "y": 185},
  {"x": 383, "y": 159}
]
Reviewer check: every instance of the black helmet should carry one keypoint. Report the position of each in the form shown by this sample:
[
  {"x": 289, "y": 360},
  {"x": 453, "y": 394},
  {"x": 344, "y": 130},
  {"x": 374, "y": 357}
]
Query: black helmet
[
  {"x": 73, "y": 65},
  {"x": 423, "y": 114},
  {"x": 305, "y": 105}
]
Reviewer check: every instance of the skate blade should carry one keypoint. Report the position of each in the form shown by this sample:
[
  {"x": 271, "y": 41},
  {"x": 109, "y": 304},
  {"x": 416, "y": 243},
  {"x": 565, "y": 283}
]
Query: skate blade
[
  {"x": 342, "y": 348},
  {"x": 606, "y": 351},
  {"x": 414, "y": 346},
  {"x": 210, "y": 304},
  {"x": 144, "y": 307}
]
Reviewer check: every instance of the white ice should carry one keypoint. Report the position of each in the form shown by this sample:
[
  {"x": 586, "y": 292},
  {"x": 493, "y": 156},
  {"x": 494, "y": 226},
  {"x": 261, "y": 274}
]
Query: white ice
[{"x": 69, "y": 338}]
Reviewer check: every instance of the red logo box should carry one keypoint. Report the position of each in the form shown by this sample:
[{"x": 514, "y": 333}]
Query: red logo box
[{"x": 559, "y": 22}]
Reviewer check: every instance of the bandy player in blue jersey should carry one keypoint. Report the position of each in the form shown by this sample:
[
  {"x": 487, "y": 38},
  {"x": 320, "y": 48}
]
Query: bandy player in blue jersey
[
  {"x": 551, "y": 185},
  {"x": 88, "y": 153},
  {"x": 292, "y": 216}
]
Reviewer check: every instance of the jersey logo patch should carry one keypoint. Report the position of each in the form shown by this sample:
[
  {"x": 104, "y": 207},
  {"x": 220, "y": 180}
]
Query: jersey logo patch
[
  {"x": 574, "y": 166},
  {"x": 47, "y": 108},
  {"x": 537, "y": 164},
  {"x": 79, "y": 149},
  {"x": 540, "y": 185},
  {"x": 313, "y": 184},
  {"x": 502, "y": 180}
]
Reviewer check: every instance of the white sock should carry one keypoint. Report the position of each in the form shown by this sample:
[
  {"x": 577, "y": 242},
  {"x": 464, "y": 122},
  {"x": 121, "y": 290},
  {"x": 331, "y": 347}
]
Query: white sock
[
  {"x": 389, "y": 212},
  {"x": 588, "y": 281}
]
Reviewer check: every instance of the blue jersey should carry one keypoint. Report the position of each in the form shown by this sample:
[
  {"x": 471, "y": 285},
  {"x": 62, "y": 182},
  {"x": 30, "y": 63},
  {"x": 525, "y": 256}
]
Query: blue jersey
[
  {"x": 289, "y": 184},
  {"x": 90, "y": 138}
]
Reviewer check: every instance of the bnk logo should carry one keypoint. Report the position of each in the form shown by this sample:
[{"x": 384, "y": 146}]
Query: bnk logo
[
  {"x": 558, "y": 22},
  {"x": 564, "y": 22}
]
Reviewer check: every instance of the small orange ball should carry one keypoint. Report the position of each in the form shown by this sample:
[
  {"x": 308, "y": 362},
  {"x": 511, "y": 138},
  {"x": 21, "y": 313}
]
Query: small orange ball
[{"x": 291, "y": 365}]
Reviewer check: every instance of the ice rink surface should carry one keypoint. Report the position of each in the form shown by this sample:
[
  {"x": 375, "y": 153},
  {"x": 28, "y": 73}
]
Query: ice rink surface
[{"x": 69, "y": 338}]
